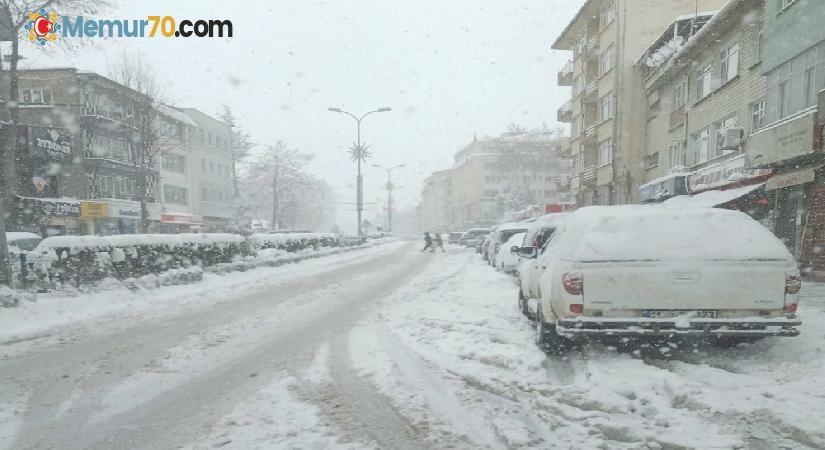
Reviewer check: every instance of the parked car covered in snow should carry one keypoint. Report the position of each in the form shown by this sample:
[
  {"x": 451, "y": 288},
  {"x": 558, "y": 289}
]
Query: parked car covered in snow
[
  {"x": 529, "y": 250},
  {"x": 473, "y": 236},
  {"x": 499, "y": 236},
  {"x": 506, "y": 260},
  {"x": 640, "y": 271}
]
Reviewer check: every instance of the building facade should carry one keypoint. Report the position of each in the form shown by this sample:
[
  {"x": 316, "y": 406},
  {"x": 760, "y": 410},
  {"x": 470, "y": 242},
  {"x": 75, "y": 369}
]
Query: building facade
[
  {"x": 607, "y": 99},
  {"x": 213, "y": 171},
  {"x": 78, "y": 167},
  {"x": 790, "y": 144},
  {"x": 705, "y": 97},
  {"x": 492, "y": 178}
]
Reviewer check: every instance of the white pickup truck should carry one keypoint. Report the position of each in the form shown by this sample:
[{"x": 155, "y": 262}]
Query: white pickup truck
[{"x": 646, "y": 271}]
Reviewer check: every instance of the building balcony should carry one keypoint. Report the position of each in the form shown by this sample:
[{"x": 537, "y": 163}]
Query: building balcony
[
  {"x": 590, "y": 49},
  {"x": 565, "y": 112},
  {"x": 565, "y": 75},
  {"x": 590, "y": 133},
  {"x": 588, "y": 175},
  {"x": 564, "y": 148},
  {"x": 591, "y": 92},
  {"x": 98, "y": 112}
]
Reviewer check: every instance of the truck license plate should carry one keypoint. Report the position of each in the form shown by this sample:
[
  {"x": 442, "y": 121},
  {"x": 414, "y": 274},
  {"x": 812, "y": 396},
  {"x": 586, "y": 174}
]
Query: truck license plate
[{"x": 668, "y": 313}]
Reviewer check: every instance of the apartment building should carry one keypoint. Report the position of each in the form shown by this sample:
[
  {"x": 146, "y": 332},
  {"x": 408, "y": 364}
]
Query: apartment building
[
  {"x": 705, "y": 96},
  {"x": 75, "y": 161},
  {"x": 790, "y": 143},
  {"x": 213, "y": 170},
  {"x": 607, "y": 108},
  {"x": 435, "y": 213},
  {"x": 181, "y": 211},
  {"x": 493, "y": 177}
]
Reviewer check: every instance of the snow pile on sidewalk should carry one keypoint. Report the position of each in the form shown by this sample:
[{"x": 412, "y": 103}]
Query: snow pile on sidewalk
[{"x": 456, "y": 355}]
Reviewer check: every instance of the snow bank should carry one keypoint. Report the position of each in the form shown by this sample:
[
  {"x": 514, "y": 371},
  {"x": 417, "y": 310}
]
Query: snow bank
[{"x": 452, "y": 350}]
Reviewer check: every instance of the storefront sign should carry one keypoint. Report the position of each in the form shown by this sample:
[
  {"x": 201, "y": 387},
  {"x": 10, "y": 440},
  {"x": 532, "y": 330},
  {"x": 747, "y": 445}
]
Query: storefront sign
[
  {"x": 781, "y": 142},
  {"x": 184, "y": 219},
  {"x": 52, "y": 141},
  {"x": 724, "y": 173},
  {"x": 94, "y": 209},
  {"x": 794, "y": 178}
]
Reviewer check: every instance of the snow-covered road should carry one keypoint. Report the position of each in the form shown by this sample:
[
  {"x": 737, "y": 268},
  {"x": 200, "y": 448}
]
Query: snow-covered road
[{"x": 390, "y": 348}]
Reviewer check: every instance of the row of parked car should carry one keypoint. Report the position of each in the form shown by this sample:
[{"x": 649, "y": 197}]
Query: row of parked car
[{"x": 621, "y": 273}]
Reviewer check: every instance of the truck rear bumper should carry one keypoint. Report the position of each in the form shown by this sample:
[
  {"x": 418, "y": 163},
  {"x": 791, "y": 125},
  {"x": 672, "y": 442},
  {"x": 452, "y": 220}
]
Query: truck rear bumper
[{"x": 632, "y": 326}]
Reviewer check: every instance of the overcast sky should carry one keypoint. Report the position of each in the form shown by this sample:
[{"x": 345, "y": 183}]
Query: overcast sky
[{"x": 448, "y": 69}]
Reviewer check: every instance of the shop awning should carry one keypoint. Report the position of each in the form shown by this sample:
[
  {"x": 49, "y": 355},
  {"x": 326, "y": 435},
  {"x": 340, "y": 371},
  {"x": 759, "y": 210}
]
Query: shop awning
[
  {"x": 709, "y": 199},
  {"x": 181, "y": 218}
]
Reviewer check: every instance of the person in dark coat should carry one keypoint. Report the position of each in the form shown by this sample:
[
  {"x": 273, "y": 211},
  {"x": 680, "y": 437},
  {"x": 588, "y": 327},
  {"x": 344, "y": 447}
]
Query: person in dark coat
[{"x": 428, "y": 242}]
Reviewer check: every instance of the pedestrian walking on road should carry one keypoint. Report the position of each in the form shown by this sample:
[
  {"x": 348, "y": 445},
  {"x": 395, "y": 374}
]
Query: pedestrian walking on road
[
  {"x": 439, "y": 242},
  {"x": 428, "y": 243}
]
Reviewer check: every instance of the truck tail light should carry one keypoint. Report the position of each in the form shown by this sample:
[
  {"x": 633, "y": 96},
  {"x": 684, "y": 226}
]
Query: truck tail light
[
  {"x": 790, "y": 308},
  {"x": 573, "y": 283},
  {"x": 792, "y": 284},
  {"x": 577, "y": 308}
]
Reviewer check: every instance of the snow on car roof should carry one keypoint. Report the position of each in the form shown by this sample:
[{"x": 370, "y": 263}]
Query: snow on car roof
[
  {"x": 512, "y": 226},
  {"x": 622, "y": 233},
  {"x": 20, "y": 235}
]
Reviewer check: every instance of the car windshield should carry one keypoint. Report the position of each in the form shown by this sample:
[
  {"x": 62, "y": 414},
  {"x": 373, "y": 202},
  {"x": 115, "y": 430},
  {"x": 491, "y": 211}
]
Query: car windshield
[{"x": 464, "y": 224}]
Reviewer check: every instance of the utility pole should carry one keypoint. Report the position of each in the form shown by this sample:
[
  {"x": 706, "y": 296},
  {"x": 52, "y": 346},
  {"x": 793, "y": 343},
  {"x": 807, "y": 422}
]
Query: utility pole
[
  {"x": 359, "y": 154},
  {"x": 390, "y": 187}
]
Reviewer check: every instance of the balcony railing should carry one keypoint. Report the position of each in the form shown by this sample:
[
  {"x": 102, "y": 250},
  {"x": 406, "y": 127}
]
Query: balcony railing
[
  {"x": 565, "y": 75},
  {"x": 590, "y": 132},
  {"x": 591, "y": 48},
  {"x": 591, "y": 91},
  {"x": 100, "y": 112},
  {"x": 565, "y": 112},
  {"x": 588, "y": 174},
  {"x": 564, "y": 148}
]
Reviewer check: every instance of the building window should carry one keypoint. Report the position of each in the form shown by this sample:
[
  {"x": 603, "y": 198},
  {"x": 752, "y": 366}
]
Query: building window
[
  {"x": 782, "y": 100},
  {"x": 727, "y": 123},
  {"x": 204, "y": 194},
  {"x": 203, "y": 165},
  {"x": 36, "y": 96},
  {"x": 703, "y": 78},
  {"x": 211, "y": 167},
  {"x": 174, "y": 194},
  {"x": 606, "y": 151},
  {"x": 700, "y": 146},
  {"x": 678, "y": 158},
  {"x": 652, "y": 160},
  {"x": 760, "y": 38},
  {"x": 730, "y": 63},
  {"x": 174, "y": 163},
  {"x": 810, "y": 87},
  {"x": 606, "y": 106},
  {"x": 758, "y": 115},
  {"x": 607, "y": 59},
  {"x": 679, "y": 96},
  {"x": 608, "y": 14}
]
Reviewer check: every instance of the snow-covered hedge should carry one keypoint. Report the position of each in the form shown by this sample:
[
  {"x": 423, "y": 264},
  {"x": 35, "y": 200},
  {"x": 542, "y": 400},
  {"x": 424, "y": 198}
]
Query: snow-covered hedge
[
  {"x": 292, "y": 242},
  {"x": 81, "y": 259}
]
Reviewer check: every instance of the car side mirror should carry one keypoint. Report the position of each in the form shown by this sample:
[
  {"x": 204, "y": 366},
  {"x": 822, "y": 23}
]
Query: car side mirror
[
  {"x": 527, "y": 252},
  {"x": 514, "y": 250}
]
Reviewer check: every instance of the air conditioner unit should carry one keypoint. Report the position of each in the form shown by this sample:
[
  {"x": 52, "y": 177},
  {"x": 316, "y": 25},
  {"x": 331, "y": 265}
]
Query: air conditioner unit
[{"x": 730, "y": 138}]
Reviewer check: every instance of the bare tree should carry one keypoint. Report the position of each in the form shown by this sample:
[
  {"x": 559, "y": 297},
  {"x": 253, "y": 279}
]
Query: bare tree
[
  {"x": 159, "y": 127},
  {"x": 241, "y": 143},
  {"x": 276, "y": 181}
]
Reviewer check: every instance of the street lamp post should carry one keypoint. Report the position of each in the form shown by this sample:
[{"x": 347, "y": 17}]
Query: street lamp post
[
  {"x": 359, "y": 153},
  {"x": 390, "y": 187}
]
